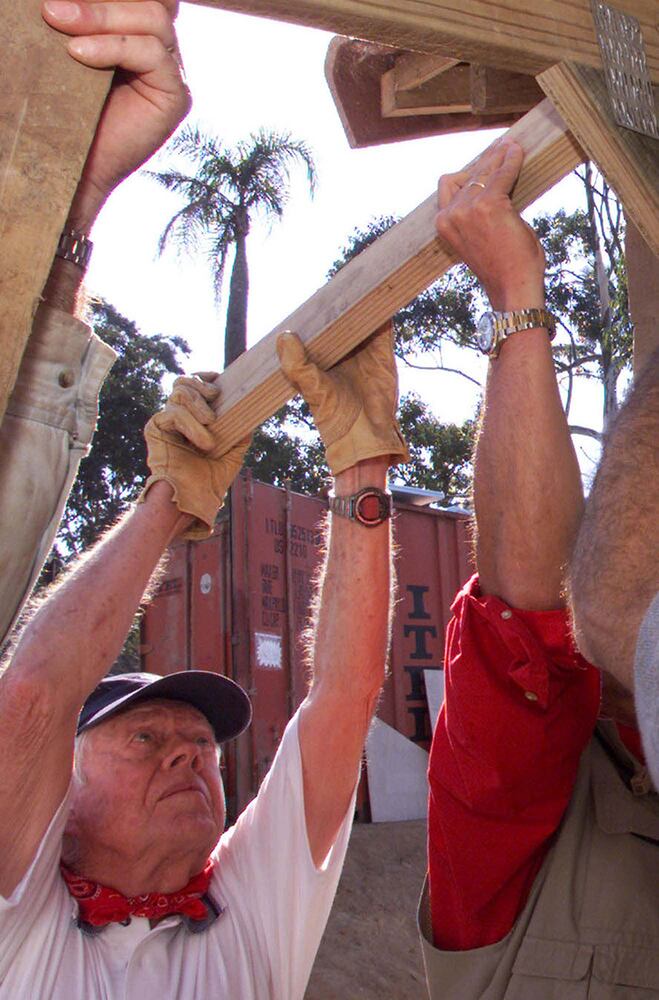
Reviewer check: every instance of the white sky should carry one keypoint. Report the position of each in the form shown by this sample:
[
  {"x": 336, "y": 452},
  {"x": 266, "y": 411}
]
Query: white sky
[{"x": 246, "y": 73}]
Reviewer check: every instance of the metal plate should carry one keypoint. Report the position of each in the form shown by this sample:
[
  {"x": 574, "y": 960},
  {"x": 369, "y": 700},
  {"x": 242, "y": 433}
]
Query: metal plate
[{"x": 625, "y": 69}]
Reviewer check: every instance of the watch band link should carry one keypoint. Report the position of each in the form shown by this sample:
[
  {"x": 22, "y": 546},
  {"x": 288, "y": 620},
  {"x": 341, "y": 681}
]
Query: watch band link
[
  {"x": 75, "y": 247},
  {"x": 526, "y": 319}
]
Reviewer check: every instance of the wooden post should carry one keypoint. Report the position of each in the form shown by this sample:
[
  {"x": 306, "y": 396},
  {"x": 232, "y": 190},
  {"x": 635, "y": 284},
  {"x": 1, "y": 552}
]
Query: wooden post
[
  {"x": 629, "y": 161},
  {"x": 49, "y": 106},
  {"x": 643, "y": 288},
  {"x": 378, "y": 282}
]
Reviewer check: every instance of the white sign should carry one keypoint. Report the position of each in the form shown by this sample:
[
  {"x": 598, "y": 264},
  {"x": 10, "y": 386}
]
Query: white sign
[{"x": 268, "y": 650}]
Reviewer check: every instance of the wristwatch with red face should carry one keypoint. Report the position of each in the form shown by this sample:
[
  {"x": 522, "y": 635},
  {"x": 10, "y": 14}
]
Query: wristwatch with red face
[{"x": 369, "y": 506}]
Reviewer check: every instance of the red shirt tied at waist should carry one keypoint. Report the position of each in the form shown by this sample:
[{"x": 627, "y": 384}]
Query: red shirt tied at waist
[{"x": 519, "y": 709}]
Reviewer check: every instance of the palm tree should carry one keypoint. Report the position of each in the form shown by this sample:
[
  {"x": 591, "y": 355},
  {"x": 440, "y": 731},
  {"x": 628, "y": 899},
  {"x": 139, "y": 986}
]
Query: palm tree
[{"x": 229, "y": 187}]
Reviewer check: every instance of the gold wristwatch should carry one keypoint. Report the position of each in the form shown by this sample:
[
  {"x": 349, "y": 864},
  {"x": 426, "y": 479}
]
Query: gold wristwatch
[{"x": 494, "y": 327}]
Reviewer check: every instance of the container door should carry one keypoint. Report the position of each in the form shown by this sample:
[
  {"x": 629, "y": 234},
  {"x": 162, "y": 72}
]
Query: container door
[{"x": 164, "y": 646}]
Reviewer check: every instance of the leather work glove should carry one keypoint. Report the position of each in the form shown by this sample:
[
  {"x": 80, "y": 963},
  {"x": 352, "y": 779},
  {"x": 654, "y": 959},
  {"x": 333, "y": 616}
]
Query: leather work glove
[
  {"x": 354, "y": 403},
  {"x": 184, "y": 452}
]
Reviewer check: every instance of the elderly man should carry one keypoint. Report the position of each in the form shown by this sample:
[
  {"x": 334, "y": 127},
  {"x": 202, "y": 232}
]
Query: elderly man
[
  {"x": 151, "y": 900},
  {"x": 543, "y": 849},
  {"x": 115, "y": 877}
]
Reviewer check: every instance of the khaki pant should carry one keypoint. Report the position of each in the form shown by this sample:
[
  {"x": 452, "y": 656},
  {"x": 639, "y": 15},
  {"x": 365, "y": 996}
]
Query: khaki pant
[{"x": 47, "y": 429}]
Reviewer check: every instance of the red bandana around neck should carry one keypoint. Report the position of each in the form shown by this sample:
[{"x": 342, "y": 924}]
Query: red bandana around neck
[{"x": 100, "y": 905}]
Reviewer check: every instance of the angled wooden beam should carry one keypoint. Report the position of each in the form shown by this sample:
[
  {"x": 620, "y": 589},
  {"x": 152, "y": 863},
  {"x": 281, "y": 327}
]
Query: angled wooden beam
[
  {"x": 629, "y": 161},
  {"x": 382, "y": 279},
  {"x": 49, "y": 106},
  {"x": 643, "y": 288},
  {"x": 509, "y": 34}
]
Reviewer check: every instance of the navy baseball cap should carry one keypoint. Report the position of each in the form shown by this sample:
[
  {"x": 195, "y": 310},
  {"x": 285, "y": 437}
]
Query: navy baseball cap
[{"x": 224, "y": 703}]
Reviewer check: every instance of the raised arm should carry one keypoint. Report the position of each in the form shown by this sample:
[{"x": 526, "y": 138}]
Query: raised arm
[
  {"x": 146, "y": 102},
  {"x": 520, "y": 704},
  {"x": 39, "y": 458},
  {"x": 527, "y": 487},
  {"x": 354, "y": 407},
  {"x": 77, "y": 632}
]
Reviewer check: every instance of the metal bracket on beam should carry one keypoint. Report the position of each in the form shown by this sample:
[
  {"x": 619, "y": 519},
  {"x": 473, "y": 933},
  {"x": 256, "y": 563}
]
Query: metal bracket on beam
[{"x": 625, "y": 69}]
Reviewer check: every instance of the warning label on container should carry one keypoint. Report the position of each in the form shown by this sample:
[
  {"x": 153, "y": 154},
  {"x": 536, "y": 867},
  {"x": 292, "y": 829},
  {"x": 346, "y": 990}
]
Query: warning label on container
[{"x": 268, "y": 650}]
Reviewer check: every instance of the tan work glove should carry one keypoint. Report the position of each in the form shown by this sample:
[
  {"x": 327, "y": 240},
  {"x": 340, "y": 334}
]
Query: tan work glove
[
  {"x": 184, "y": 452},
  {"x": 354, "y": 403}
]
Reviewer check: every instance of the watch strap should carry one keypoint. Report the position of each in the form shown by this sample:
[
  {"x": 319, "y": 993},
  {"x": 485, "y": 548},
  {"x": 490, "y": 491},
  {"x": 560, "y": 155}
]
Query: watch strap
[
  {"x": 75, "y": 247},
  {"x": 518, "y": 320},
  {"x": 354, "y": 506}
]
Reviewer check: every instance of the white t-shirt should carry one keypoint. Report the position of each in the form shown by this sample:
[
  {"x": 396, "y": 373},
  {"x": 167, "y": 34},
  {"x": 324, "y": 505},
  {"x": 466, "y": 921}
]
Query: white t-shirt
[
  {"x": 262, "y": 946},
  {"x": 646, "y": 687}
]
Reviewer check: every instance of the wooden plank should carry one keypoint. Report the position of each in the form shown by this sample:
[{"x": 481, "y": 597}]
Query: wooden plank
[
  {"x": 445, "y": 93},
  {"x": 49, "y": 106},
  {"x": 378, "y": 282},
  {"x": 643, "y": 288},
  {"x": 497, "y": 91},
  {"x": 628, "y": 160},
  {"x": 412, "y": 69},
  {"x": 354, "y": 70},
  {"x": 461, "y": 88},
  {"x": 510, "y": 34}
]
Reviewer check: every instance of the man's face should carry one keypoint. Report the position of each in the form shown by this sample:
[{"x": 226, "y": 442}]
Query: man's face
[{"x": 150, "y": 783}]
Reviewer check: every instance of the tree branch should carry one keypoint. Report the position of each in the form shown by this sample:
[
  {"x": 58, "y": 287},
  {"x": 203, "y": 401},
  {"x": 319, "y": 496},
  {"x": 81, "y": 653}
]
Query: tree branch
[
  {"x": 441, "y": 368},
  {"x": 585, "y": 431}
]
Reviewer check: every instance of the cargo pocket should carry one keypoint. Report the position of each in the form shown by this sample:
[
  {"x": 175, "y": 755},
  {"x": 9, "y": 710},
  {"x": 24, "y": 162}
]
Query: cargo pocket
[
  {"x": 625, "y": 973},
  {"x": 550, "y": 970}
]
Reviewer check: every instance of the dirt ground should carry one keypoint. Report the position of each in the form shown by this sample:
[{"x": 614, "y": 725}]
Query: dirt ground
[{"x": 370, "y": 949}]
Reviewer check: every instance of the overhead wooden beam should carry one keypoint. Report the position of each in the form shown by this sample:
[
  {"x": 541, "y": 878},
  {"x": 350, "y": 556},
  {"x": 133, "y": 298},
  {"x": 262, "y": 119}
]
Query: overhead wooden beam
[
  {"x": 382, "y": 279},
  {"x": 628, "y": 160},
  {"x": 49, "y": 106},
  {"x": 509, "y": 34}
]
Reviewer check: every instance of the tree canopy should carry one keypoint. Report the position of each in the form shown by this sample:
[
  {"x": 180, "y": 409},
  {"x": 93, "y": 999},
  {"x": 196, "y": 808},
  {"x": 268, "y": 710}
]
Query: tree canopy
[
  {"x": 586, "y": 289},
  {"x": 229, "y": 188}
]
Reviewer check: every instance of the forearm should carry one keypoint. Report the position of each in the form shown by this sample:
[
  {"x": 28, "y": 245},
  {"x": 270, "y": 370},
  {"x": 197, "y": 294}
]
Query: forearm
[
  {"x": 527, "y": 485},
  {"x": 355, "y": 591},
  {"x": 64, "y": 286},
  {"x": 614, "y": 571},
  {"x": 77, "y": 632},
  {"x": 348, "y": 657},
  {"x": 64, "y": 289}
]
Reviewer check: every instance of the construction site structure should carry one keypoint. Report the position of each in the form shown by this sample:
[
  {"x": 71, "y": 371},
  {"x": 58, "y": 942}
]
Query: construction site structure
[{"x": 443, "y": 62}]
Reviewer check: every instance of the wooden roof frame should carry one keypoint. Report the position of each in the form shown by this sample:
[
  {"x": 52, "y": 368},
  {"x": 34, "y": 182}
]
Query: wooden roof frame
[{"x": 50, "y": 107}]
